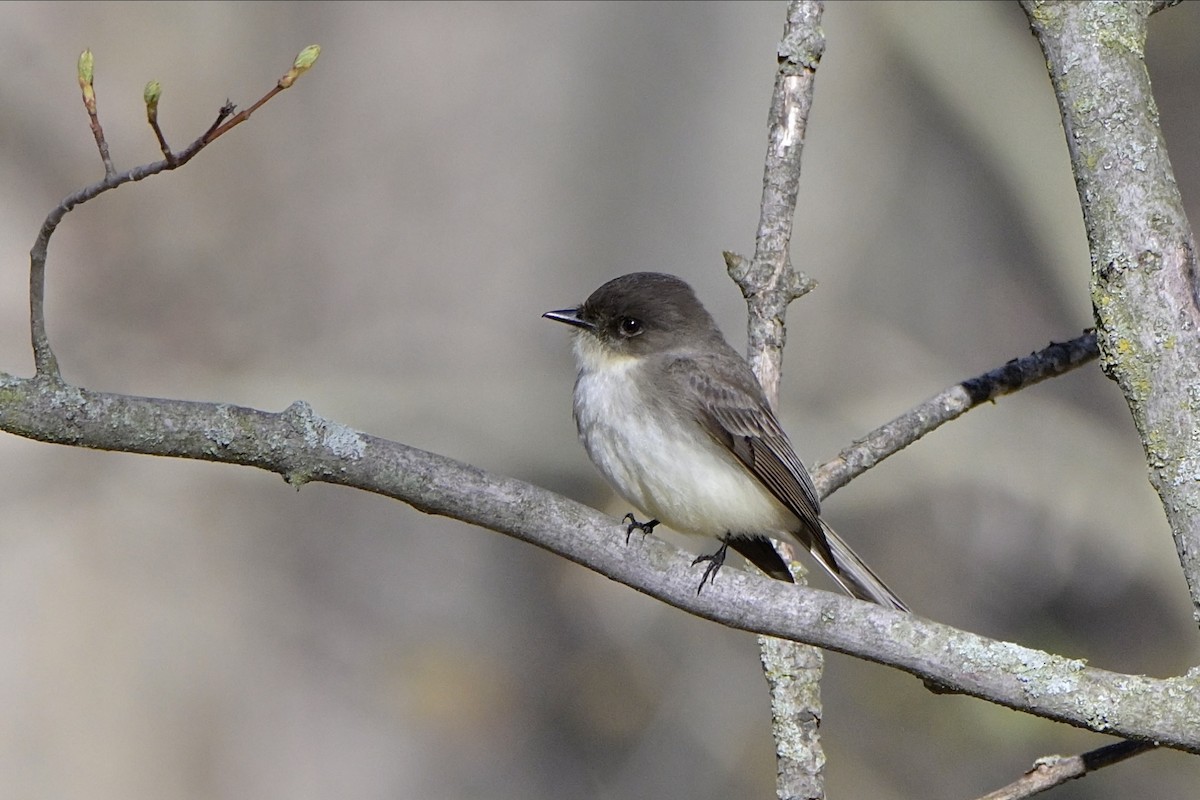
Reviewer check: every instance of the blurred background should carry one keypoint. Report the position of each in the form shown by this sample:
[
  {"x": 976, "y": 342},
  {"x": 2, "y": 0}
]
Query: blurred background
[{"x": 381, "y": 240}]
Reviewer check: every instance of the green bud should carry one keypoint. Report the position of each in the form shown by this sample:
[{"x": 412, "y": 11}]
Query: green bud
[
  {"x": 150, "y": 95},
  {"x": 85, "y": 72},
  {"x": 86, "y": 66},
  {"x": 305, "y": 60},
  {"x": 308, "y": 56}
]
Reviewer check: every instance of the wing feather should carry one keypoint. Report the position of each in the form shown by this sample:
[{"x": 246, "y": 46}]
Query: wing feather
[{"x": 734, "y": 411}]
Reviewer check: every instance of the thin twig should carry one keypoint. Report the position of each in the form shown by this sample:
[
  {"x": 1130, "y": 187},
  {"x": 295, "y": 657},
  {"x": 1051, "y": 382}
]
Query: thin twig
[
  {"x": 219, "y": 130},
  {"x": 45, "y": 362},
  {"x": 890, "y": 438},
  {"x": 1052, "y": 771},
  {"x": 162, "y": 141},
  {"x": 86, "y": 73},
  {"x": 303, "y": 62},
  {"x": 151, "y": 96}
]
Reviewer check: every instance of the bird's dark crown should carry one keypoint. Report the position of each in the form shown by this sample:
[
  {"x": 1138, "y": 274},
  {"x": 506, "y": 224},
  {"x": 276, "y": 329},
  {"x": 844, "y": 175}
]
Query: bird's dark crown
[{"x": 647, "y": 311}]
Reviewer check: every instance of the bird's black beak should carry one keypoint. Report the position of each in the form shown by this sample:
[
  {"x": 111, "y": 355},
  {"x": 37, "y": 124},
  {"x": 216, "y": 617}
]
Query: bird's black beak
[{"x": 571, "y": 317}]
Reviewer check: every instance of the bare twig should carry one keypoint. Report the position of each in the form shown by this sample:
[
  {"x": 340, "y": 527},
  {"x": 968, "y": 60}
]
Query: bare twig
[
  {"x": 303, "y": 62},
  {"x": 151, "y": 95},
  {"x": 1053, "y": 771},
  {"x": 45, "y": 362},
  {"x": 890, "y": 438},
  {"x": 86, "y": 72}
]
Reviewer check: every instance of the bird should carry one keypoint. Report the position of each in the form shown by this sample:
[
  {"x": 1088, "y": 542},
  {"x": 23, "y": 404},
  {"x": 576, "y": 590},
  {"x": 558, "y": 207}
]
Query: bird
[{"x": 678, "y": 424}]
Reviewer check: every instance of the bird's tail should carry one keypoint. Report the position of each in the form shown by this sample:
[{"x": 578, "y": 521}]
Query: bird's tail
[{"x": 854, "y": 575}]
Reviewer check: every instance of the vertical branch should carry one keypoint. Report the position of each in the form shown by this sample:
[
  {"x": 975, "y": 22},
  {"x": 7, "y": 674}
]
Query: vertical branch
[
  {"x": 769, "y": 283},
  {"x": 793, "y": 673},
  {"x": 1145, "y": 276},
  {"x": 45, "y": 364}
]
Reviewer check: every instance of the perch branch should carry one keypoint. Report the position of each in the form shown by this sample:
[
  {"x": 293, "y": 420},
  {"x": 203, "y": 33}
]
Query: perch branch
[{"x": 302, "y": 446}]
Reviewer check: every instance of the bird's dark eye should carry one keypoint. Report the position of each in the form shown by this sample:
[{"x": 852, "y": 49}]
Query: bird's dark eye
[{"x": 630, "y": 326}]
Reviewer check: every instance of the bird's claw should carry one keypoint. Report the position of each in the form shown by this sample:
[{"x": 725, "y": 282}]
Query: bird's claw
[
  {"x": 715, "y": 562},
  {"x": 634, "y": 525}
]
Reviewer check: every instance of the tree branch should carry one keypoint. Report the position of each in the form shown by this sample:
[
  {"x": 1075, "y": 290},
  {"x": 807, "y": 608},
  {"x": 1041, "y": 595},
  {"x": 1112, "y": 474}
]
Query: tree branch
[
  {"x": 793, "y": 671},
  {"x": 768, "y": 282},
  {"x": 302, "y": 446},
  {"x": 1144, "y": 269},
  {"x": 949, "y": 404},
  {"x": 1053, "y": 771}
]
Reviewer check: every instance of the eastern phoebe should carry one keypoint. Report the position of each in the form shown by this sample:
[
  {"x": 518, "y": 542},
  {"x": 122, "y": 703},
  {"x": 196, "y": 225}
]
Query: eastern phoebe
[{"x": 678, "y": 424}]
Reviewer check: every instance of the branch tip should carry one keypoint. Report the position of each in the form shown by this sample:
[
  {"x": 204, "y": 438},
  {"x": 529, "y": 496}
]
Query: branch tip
[
  {"x": 799, "y": 284},
  {"x": 86, "y": 67},
  {"x": 304, "y": 61},
  {"x": 86, "y": 73},
  {"x": 150, "y": 95}
]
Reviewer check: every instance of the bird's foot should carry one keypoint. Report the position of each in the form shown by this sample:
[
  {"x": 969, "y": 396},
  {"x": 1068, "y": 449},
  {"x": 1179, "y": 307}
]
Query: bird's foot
[
  {"x": 715, "y": 562},
  {"x": 634, "y": 525}
]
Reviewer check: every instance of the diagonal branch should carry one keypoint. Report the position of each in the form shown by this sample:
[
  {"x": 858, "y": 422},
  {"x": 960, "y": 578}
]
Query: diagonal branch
[
  {"x": 1054, "y": 771},
  {"x": 894, "y": 436}
]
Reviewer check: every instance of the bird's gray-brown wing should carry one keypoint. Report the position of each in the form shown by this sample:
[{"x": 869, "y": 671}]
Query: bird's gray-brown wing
[{"x": 730, "y": 405}]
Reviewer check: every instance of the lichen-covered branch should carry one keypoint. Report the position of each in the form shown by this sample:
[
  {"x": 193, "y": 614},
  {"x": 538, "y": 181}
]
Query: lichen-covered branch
[
  {"x": 302, "y": 446},
  {"x": 1144, "y": 267},
  {"x": 768, "y": 282}
]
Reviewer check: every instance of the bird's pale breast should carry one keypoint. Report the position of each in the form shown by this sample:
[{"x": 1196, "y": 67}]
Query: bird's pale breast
[{"x": 665, "y": 464}]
